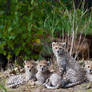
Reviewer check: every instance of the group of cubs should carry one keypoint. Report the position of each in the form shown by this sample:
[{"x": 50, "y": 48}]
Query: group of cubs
[{"x": 70, "y": 73}]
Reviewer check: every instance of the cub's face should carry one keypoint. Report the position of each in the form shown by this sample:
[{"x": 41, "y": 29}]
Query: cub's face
[
  {"x": 88, "y": 67},
  {"x": 42, "y": 66},
  {"x": 29, "y": 66},
  {"x": 58, "y": 48}
]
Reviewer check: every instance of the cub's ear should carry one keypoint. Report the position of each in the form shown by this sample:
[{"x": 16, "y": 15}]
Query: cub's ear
[
  {"x": 37, "y": 61},
  {"x": 63, "y": 44},
  {"x": 53, "y": 44}
]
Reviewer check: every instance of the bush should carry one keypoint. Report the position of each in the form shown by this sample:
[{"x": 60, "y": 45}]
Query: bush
[{"x": 27, "y": 26}]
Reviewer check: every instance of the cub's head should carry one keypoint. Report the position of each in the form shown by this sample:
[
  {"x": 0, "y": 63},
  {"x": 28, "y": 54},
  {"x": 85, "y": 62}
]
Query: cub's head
[
  {"x": 42, "y": 66},
  {"x": 29, "y": 66},
  {"x": 59, "y": 48},
  {"x": 88, "y": 67}
]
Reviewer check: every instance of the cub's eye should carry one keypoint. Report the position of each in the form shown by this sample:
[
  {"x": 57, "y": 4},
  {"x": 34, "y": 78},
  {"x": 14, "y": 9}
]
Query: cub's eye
[
  {"x": 88, "y": 66},
  {"x": 44, "y": 66},
  {"x": 40, "y": 65},
  {"x": 27, "y": 66},
  {"x": 60, "y": 48},
  {"x": 32, "y": 67},
  {"x": 56, "y": 47}
]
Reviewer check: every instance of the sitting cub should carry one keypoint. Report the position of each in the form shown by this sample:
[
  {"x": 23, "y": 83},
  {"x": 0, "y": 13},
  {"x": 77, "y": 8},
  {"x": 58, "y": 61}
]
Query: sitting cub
[
  {"x": 43, "y": 71},
  {"x": 54, "y": 81}
]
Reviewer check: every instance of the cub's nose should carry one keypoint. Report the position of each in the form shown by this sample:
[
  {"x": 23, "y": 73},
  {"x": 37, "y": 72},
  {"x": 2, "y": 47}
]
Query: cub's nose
[
  {"x": 42, "y": 69},
  {"x": 91, "y": 71},
  {"x": 30, "y": 70},
  {"x": 58, "y": 51}
]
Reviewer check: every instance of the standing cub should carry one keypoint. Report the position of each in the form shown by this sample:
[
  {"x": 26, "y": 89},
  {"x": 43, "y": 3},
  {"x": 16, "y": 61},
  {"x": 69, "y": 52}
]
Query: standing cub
[{"x": 73, "y": 73}]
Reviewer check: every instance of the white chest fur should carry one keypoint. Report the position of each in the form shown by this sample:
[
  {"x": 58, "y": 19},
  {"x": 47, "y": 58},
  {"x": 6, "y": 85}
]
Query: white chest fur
[{"x": 89, "y": 77}]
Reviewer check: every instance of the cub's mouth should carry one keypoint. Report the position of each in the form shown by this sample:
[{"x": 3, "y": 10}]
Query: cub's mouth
[{"x": 30, "y": 70}]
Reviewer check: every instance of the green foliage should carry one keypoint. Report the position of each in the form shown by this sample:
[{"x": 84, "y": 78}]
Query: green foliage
[
  {"x": 27, "y": 25},
  {"x": 2, "y": 88}
]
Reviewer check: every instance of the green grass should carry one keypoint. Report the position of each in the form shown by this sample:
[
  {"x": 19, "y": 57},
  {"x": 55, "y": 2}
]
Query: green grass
[{"x": 2, "y": 88}]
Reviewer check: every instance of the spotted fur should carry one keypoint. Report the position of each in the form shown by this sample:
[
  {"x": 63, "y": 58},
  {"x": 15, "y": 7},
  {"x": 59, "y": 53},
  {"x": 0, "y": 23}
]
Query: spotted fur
[
  {"x": 68, "y": 67},
  {"x": 16, "y": 80}
]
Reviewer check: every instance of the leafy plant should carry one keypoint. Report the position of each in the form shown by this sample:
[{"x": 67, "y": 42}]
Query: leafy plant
[{"x": 26, "y": 26}]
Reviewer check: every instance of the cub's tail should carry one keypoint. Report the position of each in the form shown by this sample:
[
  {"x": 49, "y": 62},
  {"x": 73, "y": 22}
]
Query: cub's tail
[{"x": 72, "y": 84}]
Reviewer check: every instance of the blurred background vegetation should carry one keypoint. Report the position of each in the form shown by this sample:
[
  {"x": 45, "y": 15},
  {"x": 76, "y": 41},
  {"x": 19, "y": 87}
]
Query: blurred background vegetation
[{"x": 27, "y": 27}]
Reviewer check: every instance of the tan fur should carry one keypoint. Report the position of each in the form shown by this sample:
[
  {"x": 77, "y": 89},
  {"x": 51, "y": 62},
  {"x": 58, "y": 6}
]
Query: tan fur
[
  {"x": 30, "y": 66},
  {"x": 88, "y": 68}
]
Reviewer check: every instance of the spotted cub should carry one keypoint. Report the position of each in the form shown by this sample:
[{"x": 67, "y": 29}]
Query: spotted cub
[
  {"x": 16, "y": 80},
  {"x": 43, "y": 72},
  {"x": 54, "y": 81},
  {"x": 68, "y": 66},
  {"x": 88, "y": 68}
]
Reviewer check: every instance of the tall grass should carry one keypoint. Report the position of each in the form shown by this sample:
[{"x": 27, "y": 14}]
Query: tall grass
[
  {"x": 71, "y": 22},
  {"x": 27, "y": 26}
]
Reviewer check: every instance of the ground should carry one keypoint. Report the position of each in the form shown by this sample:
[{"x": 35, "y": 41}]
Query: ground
[
  {"x": 28, "y": 88},
  {"x": 34, "y": 88}
]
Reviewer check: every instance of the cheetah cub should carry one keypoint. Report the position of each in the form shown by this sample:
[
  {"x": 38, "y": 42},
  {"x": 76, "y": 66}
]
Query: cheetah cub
[
  {"x": 51, "y": 80},
  {"x": 88, "y": 68},
  {"x": 42, "y": 72},
  {"x": 55, "y": 81},
  {"x": 72, "y": 71},
  {"x": 16, "y": 80}
]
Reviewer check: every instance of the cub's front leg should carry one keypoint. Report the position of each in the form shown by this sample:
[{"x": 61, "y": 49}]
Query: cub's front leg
[{"x": 61, "y": 69}]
